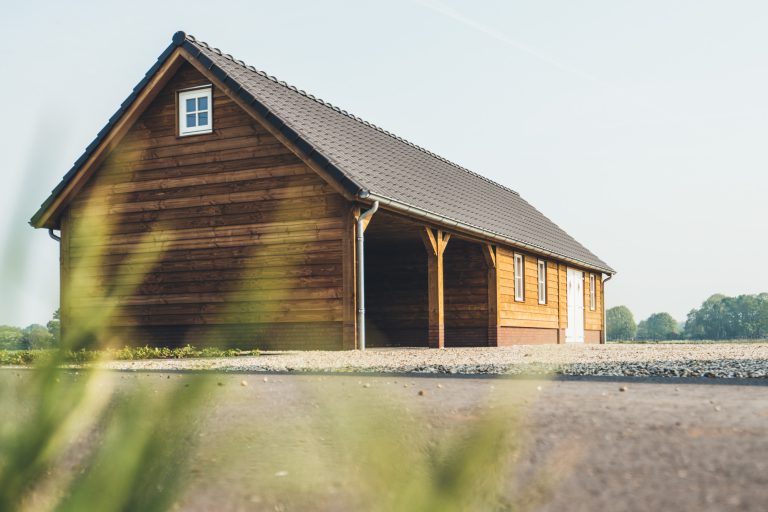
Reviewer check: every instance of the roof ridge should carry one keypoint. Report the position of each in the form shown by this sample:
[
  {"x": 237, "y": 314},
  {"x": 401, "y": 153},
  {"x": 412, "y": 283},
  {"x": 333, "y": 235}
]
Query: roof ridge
[{"x": 227, "y": 56}]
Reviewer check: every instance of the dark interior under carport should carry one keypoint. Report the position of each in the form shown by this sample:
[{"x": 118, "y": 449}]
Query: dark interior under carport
[{"x": 396, "y": 287}]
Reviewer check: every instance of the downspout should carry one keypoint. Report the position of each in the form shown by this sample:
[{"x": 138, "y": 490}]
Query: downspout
[
  {"x": 605, "y": 321},
  {"x": 53, "y": 235},
  {"x": 361, "y": 272}
]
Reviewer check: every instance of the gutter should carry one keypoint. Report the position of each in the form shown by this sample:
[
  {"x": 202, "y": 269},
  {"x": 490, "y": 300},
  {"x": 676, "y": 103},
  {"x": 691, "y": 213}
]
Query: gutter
[
  {"x": 361, "y": 272},
  {"x": 54, "y": 235},
  {"x": 395, "y": 205}
]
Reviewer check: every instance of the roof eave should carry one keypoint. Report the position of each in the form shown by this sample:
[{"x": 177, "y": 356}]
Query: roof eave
[{"x": 484, "y": 233}]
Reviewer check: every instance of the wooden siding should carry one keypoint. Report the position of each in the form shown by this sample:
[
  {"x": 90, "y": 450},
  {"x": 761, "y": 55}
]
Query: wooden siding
[
  {"x": 466, "y": 294},
  {"x": 551, "y": 318},
  {"x": 242, "y": 241},
  {"x": 528, "y": 313},
  {"x": 593, "y": 319}
]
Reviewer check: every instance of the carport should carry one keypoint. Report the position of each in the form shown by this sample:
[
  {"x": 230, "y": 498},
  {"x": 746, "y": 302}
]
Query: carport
[{"x": 425, "y": 287}]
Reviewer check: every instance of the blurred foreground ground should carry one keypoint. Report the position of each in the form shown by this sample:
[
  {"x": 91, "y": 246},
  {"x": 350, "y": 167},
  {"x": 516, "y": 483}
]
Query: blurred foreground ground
[{"x": 281, "y": 442}]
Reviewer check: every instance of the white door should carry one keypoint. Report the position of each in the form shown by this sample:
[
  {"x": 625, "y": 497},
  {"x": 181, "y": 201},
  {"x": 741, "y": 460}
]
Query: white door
[{"x": 574, "y": 333}]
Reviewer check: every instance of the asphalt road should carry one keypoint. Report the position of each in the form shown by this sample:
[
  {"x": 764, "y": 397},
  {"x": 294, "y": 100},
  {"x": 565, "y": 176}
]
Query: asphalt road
[{"x": 283, "y": 442}]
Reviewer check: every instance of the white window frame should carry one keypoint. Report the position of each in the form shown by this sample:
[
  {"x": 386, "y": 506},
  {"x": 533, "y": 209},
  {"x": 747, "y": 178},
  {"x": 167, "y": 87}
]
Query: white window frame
[
  {"x": 542, "y": 281},
  {"x": 592, "y": 292},
  {"x": 197, "y": 92},
  {"x": 519, "y": 278}
]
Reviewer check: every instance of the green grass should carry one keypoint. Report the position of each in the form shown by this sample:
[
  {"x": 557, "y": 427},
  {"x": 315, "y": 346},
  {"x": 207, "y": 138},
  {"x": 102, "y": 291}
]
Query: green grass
[{"x": 28, "y": 357}]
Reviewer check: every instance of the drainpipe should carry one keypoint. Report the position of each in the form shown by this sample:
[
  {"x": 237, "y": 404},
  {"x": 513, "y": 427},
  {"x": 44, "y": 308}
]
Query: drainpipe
[
  {"x": 361, "y": 273},
  {"x": 53, "y": 235},
  {"x": 605, "y": 321}
]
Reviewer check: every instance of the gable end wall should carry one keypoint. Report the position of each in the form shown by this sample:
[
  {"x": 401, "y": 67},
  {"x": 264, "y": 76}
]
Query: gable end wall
[{"x": 219, "y": 239}]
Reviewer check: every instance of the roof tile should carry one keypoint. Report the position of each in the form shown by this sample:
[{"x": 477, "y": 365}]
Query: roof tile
[{"x": 390, "y": 166}]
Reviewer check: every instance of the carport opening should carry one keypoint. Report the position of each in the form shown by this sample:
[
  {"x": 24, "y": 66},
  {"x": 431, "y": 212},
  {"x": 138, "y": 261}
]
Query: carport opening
[{"x": 396, "y": 300}]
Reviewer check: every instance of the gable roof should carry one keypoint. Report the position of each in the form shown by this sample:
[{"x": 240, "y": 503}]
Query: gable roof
[{"x": 372, "y": 163}]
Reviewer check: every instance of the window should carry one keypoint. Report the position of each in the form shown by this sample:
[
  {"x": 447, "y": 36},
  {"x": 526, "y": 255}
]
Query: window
[
  {"x": 592, "y": 292},
  {"x": 542, "y": 282},
  {"x": 519, "y": 278},
  {"x": 195, "y": 111}
]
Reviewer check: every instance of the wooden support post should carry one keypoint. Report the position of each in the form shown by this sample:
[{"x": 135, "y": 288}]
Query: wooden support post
[
  {"x": 489, "y": 252},
  {"x": 435, "y": 243}
]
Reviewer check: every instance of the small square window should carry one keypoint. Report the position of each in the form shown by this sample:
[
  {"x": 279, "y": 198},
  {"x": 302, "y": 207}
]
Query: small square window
[{"x": 195, "y": 114}]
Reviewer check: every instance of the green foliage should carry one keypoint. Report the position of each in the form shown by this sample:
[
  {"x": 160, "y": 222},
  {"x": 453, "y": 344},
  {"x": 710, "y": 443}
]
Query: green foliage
[
  {"x": 143, "y": 448},
  {"x": 26, "y": 357},
  {"x": 10, "y": 337},
  {"x": 36, "y": 337},
  {"x": 129, "y": 446},
  {"x": 32, "y": 337},
  {"x": 721, "y": 317},
  {"x": 185, "y": 352},
  {"x": 54, "y": 327},
  {"x": 658, "y": 326},
  {"x": 620, "y": 323}
]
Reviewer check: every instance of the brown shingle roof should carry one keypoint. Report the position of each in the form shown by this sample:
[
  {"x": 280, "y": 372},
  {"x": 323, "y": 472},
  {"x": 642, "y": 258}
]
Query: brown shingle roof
[{"x": 368, "y": 159}]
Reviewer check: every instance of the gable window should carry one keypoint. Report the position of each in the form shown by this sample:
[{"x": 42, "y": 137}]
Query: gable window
[
  {"x": 592, "y": 292},
  {"x": 195, "y": 111},
  {"x": 542, "y": 282},
  {"x": 519, "y": 278}
]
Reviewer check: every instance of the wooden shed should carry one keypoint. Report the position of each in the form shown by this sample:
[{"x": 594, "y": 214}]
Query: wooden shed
[{"x": 222, "y": 206}]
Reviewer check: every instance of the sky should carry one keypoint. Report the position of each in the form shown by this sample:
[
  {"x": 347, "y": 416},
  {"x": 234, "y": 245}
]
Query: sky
[{"x": 638, "y": 127}]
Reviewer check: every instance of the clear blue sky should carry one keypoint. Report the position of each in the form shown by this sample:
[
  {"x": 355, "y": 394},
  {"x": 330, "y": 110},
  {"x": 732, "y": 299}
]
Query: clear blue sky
[{"x": 639, "y": 127}]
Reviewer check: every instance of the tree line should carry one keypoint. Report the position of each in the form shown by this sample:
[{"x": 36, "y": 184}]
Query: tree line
[
  {"x": 33, "y": 336},
  {"x": 718, "y": 318}
]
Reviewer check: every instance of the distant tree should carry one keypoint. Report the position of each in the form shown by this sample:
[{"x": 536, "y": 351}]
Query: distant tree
[
  {"x": 10, "y": 337},
  {"x": 54, "y": 327},
  {"x": 36, "y": 336},
  {"x": 642, "y": 331},
  {"x": 620, "y": 323},
  {"x": 762, "y": 315},
  {"x": 721, "y": 317},
  {"x": 658, "y": 326}
]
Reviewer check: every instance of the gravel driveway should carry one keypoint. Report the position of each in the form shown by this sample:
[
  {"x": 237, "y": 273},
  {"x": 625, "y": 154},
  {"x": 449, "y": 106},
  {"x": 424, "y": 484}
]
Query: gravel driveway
[{"x": 732, "y": 360}]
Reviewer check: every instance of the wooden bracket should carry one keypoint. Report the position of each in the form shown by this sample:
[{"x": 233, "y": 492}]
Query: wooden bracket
[
  {"x": 445, "y": 237},
  {"x": 356, "y": 211},
  {"x": 435, "y": 242},
  {"x": 429, "y": 240},
  {"x": 489, "y": 253}
]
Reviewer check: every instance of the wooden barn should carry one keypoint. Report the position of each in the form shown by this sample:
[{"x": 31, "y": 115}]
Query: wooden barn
[{"x": 222, "y": 206}]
